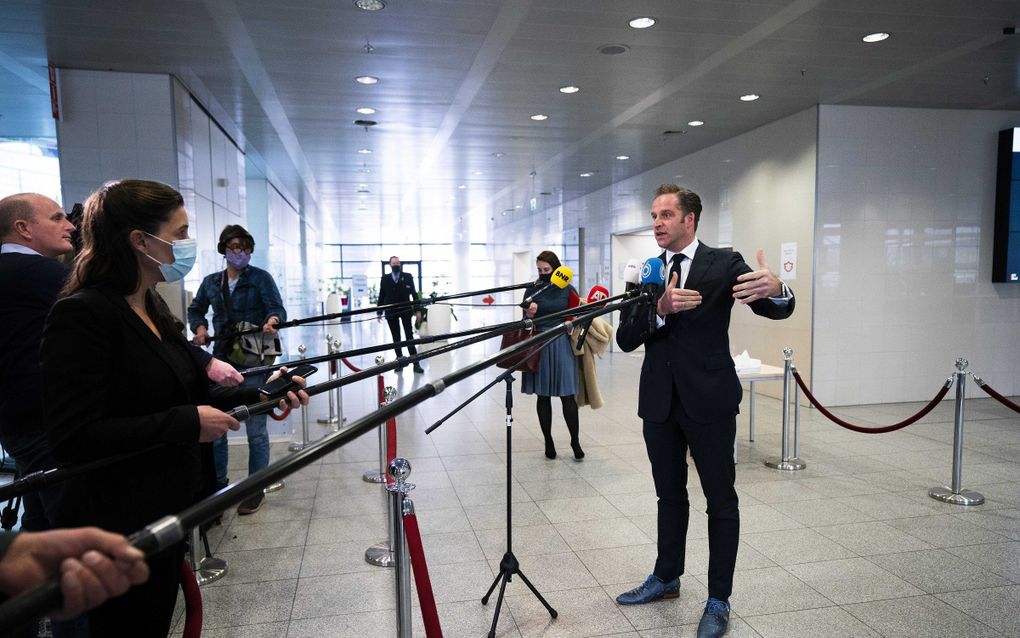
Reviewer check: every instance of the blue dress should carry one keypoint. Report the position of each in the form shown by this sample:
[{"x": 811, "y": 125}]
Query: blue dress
[{"x": 557, "y": 370}]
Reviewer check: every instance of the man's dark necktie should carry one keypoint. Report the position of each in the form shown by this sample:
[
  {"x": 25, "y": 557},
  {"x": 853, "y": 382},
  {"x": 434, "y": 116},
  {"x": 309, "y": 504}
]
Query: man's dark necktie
[{"x": 675, "y": 268}]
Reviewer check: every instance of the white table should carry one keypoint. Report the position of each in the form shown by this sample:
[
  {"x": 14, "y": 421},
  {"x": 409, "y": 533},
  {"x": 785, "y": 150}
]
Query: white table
[{"x": 766, "y": 373}]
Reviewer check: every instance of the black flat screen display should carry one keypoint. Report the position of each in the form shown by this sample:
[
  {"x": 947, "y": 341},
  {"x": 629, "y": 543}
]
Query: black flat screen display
[{"x": 1006, "y": 243}]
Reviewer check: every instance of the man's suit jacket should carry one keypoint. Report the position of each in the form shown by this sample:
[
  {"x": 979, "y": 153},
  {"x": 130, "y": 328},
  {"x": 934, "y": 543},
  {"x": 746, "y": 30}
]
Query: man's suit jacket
[
  {"x": 111, "y": 387},
  {"x": 692, "y": 351},
  {"x": 396, "y": 292},
  {"x": 29, "y": 286}
]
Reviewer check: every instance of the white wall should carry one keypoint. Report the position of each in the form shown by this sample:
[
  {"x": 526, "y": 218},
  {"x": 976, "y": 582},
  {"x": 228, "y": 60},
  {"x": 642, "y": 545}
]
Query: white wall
[
  {"x": 903, "y": 242},
  {"x": 114, "y": 126}
]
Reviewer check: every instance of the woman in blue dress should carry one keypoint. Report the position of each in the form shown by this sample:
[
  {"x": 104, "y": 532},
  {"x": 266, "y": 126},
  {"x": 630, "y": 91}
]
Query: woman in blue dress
[{"x": 557, "y": 371}]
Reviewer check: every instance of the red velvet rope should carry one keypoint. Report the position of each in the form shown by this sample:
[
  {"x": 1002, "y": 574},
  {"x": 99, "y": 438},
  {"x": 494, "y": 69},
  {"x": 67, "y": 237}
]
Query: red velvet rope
[
  {"x": 192, "y": 602},
  {"x": 382, "y": 389},
  {"x": 391, "y": 445},
  {"x": 281, "y": 416},
  {"x": 426, "y": 598},
  {"x": 998, "y": 397},
  {"x": 332, "y": 366},
  {"x": 879, "y": 430},
  {"x": 350, "y": 365}
]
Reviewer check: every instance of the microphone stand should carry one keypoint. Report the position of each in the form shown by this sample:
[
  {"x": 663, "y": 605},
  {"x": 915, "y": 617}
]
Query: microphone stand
[
  {"x": 508, "y": 565},
  {"x": 496, "y": 329},
  {"x": 402, "y": 305}
]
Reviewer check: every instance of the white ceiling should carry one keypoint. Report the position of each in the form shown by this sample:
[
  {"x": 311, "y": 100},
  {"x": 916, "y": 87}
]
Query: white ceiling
[{"x": 460, "y": 78}]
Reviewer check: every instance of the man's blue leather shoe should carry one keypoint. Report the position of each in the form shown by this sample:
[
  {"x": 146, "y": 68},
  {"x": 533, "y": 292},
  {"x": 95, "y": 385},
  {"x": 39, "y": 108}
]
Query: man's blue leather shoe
[
  {"x": 652, "y": 589},
  {"x": 715, "y": 620}
]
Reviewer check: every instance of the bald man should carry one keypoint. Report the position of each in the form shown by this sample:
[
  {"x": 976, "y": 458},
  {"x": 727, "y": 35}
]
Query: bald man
[{"x": 34, "y": 231}]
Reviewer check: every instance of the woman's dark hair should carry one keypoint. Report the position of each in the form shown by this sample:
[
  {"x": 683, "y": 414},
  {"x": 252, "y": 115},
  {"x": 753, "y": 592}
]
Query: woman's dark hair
[
  {"x": 550, "y": 258},
  {"x": 106, "y": 258}
]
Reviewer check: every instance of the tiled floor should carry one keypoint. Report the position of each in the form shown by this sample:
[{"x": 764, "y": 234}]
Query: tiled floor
[{"x": 850, "y": 546}]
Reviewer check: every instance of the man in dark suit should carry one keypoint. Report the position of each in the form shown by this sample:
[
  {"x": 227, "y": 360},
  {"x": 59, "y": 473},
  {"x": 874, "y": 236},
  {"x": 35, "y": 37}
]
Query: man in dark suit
[
  {"x": 689, "y": 394},
  {"x": 34, "y": 231},
  {"x": 398, "y": 287}
]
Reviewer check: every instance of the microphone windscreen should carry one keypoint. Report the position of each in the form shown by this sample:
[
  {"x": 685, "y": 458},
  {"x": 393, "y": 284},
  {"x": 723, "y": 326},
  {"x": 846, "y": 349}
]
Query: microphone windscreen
[
  {"x": 632, "y": 272},
  {"x": 597, "y": 293},
  {"x": 653, "y": 271},
  {"x": 561, "y": 277}
]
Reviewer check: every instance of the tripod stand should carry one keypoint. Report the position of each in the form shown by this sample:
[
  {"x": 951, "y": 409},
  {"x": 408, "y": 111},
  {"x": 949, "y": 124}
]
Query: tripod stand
[{"x": 509, "y": 566}]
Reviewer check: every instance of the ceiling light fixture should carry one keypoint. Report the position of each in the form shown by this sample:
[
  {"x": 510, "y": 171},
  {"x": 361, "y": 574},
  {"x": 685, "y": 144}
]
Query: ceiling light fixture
[
  {"x": 462, "y": 187},
  {"x": 477, "y": 173},
  {"x": 538, "y": 117},
  {"x": 750, "y": 97},
  {"x": 623, "y": 157},
  {"x": 587, "y": 174},
  {"x": 366, "y": 79},
  {"x": 366, "y": 110},
  {"x": 695, "y": 123},
  {"x": 365, "y": 151},
  {"x": 642, "y": 23},
  {"x": 569, "y": 89},
  {"x": 499, "y": 154},
  {"x": 613, "y": 49},
  {"x": 370, "y": 5},
  {"x": 875, "y": 37}
]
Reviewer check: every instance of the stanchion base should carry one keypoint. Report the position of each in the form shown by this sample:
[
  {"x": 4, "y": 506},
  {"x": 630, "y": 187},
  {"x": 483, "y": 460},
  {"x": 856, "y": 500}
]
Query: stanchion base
[
  {"x": 209, "y": 570},
  {"x": 965, "y": 497},
  {"x": 275, "y": 487},
  {"x": 786, "y": 466},
  {"x": 328, "y": 421},
  {"x": 373, "y": 476},
  {"x": 379, "y": 555},
  {"x": 297, "y": 446}
]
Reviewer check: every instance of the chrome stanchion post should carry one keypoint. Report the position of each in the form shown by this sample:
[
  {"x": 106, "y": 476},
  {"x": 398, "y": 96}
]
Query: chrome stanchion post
[
  {"x": 956, "y": 495},
  {"x": 332, "y": 417},
  {"x": 786, "y": 463},
  {"x": 379, "y": 476},
  {"x": 208, "y": 569},
  {"x": 402, "y": 506},
  {"x": 303, "y": 443},
  {"x": 382, "y": 554}
]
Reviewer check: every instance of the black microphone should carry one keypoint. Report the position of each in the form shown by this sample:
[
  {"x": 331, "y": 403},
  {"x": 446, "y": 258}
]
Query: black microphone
[
  {"x": 653, "y": 279},
  {"x": 560, "y": 278}
]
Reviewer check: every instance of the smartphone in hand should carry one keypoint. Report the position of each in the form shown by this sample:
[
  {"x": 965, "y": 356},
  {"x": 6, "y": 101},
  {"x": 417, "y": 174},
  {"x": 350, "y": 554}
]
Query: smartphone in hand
[{"x": 279, "y": 387}]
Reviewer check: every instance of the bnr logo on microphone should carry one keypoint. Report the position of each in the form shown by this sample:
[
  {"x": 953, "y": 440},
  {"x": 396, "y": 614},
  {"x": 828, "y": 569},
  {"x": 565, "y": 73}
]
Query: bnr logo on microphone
[{"x": 562, "y": 276}]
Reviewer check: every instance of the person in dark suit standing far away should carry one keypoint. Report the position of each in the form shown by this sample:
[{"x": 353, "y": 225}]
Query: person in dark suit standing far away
[
  {"x": 398, "y": 287},
  {"x": 689, "y": 394}
]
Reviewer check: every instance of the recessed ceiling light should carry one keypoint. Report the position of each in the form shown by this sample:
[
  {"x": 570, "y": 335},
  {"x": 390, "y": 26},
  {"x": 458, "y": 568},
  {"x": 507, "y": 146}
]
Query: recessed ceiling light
[
  {"x": 750, "y": 97},
  {"x": 538, "y": 117},
  {"x": 642, "y": 23},
  {"x": 613, "y": 49},
  {"x": 477, "y": 173},
  {"x": 569, "y": 89},
  {"x": 518, "y": 206},
  {"x": 503, "y": 213},
  {"x": 370, "y": 5},
  {"x": 366, "y": 110},
  {"x": 875, "y": 37},
  {"x": 587, "y": 174},
  {"x": 499, "y": 154},
  {"x": 462, "y": 187},
  {"x": 365, "y": 151},
  {"x": 623, "y": 157},
  {"x": 695, "y": 123},
  {"x": 366, "y": 79}
]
